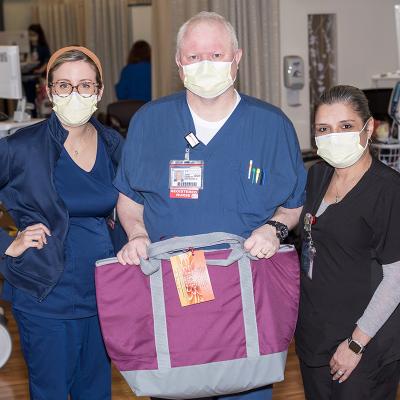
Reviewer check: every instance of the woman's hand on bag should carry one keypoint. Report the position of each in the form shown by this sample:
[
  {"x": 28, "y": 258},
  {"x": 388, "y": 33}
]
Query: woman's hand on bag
[
  {"x": 32, "y": 236},
  {"x": 134, "y": 250},
  {"x": 343, "y": 362},
  {"x": 263, "y": 242}
]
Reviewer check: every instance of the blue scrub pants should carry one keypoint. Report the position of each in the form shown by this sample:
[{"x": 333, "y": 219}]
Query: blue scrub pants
[
  {"x": 64, "y": 357},
  {"x": 263, "y": 393}
]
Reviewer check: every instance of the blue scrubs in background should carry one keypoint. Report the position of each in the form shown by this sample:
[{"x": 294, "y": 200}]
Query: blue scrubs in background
[
  {"x": 257, "y": 136},
  {"x": 135, "y": 82},
  {"x": 60, "y": 336}
]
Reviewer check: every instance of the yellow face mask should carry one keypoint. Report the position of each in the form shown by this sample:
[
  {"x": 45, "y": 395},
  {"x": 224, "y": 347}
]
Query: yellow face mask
[
  {"x": 208, "y": 79},
  {"x": 74, "y": 110},
  {"x": 341, "y": 149}
]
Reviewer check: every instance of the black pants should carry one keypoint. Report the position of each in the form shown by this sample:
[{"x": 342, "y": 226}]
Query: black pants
[{"x": 363, "y": 384}]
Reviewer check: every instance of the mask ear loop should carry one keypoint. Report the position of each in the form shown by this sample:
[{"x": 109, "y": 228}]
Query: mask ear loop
[
  {"x": 366, "y": 122},
  {"x": 369, "y": 140}
]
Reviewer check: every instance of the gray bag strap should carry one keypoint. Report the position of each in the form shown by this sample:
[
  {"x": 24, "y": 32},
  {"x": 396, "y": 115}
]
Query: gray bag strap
[{"x": 165, "y": 249}]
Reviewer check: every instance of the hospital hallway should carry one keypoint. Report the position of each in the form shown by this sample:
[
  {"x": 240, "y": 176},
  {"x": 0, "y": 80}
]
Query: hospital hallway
[{"x": 14, "y": 380}]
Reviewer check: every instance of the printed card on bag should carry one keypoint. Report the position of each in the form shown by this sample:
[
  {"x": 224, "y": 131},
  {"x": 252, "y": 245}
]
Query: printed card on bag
[{"x": 191, "y": 278}]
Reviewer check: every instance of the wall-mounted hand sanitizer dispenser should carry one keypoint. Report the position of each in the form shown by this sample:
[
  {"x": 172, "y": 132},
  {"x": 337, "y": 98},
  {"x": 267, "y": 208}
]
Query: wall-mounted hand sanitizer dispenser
[
  {"x": 293, "y": 75},
  {"x": 293, "y": 72}
]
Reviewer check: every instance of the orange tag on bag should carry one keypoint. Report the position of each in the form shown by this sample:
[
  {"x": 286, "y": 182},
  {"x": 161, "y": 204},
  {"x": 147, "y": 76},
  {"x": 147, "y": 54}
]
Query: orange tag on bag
[{"x": 191, "y": 278}]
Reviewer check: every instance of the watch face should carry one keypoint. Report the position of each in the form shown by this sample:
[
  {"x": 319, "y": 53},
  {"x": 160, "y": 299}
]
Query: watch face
[
  {"x": 356, "y": 348},
  {"x": 284, "y": 231},
  {"x": 281, "y": 229}
]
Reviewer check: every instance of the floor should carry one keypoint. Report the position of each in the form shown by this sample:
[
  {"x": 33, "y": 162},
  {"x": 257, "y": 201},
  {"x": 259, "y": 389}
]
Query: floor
[{"x": 13, "y": 376}]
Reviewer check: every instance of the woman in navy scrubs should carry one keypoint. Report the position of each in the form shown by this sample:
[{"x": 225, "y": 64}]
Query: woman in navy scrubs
[
  {"x": 135, "y": 79},
  {"x": 57, "y": 185}
]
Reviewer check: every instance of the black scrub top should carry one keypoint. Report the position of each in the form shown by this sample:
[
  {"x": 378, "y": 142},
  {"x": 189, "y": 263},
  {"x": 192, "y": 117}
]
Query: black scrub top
[{"x": 353, "y": 239}]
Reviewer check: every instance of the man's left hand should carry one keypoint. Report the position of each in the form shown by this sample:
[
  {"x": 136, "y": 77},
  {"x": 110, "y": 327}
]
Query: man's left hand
[
  {"x": 343, "y": 362},
  {"x": 263, "y": 242}
]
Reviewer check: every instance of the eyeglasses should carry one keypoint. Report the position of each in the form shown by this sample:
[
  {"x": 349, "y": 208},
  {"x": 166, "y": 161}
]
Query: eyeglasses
[{"x": 64, "y": 89}]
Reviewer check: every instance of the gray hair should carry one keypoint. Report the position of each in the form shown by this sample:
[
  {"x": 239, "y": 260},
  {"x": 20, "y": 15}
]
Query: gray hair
[
  {"x": 206, "y": 16},
  {"x": 348, "y": 95}
]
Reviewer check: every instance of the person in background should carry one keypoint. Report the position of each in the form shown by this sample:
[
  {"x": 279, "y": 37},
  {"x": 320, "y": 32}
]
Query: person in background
[
  {"x": 56, "y": 182},
  {"x": 135, "y": 80},
  {"x": 234, "y": 135},
  {"x": 347, "y": 336},
  {"x": 39, "y": 54},
  {"x": 40, "y": 50}
]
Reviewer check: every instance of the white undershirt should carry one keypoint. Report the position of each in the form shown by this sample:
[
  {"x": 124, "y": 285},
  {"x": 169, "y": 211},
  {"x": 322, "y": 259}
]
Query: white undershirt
[{"x": 206, "y": 130}]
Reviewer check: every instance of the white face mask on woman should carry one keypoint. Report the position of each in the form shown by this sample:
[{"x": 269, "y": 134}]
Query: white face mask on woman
[
  {"x": 341, "y": 149},
  {"x": 74, "y": 110},
  {"x": 208, "y": 79}
]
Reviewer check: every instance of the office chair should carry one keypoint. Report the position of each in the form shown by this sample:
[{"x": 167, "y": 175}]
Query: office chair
[{"x": 120, "y": 113}]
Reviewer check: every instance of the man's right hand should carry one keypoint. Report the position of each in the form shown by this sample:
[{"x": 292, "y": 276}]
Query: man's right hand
[
  {"x": 134, "y": 250},
  {"x": 32, "y": 236}
]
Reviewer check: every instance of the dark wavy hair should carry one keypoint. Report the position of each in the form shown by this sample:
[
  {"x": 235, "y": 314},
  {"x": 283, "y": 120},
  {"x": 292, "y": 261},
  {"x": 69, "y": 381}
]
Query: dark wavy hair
[
  {"x": 37, "y": 28},
  {"x": 140, "y": 51}
]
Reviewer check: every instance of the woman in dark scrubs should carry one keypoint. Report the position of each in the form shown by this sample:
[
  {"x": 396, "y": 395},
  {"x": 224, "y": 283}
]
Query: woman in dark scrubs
[
  {"x": 347, "y": 335},
  {"x": 39, "y": 55},
  {"x": 64, "y": 197}
]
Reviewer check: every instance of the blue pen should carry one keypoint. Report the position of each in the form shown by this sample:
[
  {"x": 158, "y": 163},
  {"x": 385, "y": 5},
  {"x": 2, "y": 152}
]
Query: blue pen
[
  {"x": 262, "y": 180},
  {"x": 261, "y": 177}
]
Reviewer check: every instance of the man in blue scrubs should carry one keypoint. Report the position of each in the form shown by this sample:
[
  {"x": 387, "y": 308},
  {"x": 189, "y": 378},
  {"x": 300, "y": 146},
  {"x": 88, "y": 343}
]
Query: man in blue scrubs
[{"x": 208, "y": 159}]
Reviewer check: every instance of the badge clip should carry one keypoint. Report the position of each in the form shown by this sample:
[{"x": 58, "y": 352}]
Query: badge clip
[{"x": 192, "y": 140}]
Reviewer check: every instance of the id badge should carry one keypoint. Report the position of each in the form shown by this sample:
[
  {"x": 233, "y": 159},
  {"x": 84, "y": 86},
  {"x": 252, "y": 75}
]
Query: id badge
[
  {"x": 307, "y": 257},
  {"x": 185, "y": 178}
]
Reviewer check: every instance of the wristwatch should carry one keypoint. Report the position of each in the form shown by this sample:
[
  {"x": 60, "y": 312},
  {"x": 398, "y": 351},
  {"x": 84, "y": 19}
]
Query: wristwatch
[
  {"x": 355, "y": 346},
  {"x": 282, "y": 230}
]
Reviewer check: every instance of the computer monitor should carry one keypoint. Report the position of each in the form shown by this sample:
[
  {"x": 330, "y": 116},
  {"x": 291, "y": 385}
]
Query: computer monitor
[
  {"x": 10, "y": 73},
  {"x": 16, "y": 38},
  {"x": 10, "y": 80}
]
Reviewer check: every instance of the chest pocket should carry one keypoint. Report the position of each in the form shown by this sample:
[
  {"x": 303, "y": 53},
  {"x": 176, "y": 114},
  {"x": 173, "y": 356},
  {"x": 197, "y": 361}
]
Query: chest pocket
[
  {"x": 255, "y": 201},
  {"x": 243, "y": 196}
]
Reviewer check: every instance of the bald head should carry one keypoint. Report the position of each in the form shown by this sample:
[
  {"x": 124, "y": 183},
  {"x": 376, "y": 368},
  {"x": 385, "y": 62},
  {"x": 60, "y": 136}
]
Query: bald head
[{"x": 212, "y": 21}]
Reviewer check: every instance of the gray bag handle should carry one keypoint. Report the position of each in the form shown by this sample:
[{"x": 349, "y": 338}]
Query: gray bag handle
[{"x": 165, "y": 249}]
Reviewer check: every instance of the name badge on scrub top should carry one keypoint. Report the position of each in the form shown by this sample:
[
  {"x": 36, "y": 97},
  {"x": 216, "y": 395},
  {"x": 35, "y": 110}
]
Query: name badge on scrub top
[{"x": 185, "y": 179}]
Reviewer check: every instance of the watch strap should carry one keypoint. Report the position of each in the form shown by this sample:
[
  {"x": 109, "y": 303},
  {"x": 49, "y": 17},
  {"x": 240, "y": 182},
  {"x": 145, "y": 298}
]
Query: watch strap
[{"x": 282, "y": 230}]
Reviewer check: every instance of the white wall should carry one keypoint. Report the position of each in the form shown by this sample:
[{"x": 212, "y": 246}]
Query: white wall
[
  {"x": 17, "y": 14},
  {"x": 366, "y": 45},
  {"x": 141, "y": 23}
]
